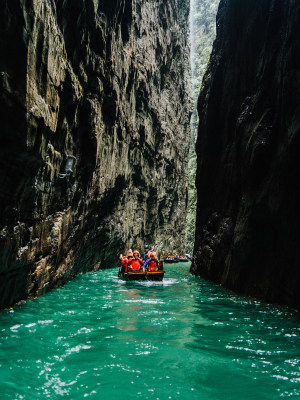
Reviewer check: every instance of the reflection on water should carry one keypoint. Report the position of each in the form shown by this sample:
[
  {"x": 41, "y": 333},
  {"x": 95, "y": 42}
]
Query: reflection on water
[{"x": 184, "y": 338}]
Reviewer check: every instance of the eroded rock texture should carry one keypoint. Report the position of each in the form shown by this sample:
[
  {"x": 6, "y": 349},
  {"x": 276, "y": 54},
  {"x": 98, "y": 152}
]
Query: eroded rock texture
[
  {"x": 106, "y": 82},
  {"x": 248, "y": 152}
]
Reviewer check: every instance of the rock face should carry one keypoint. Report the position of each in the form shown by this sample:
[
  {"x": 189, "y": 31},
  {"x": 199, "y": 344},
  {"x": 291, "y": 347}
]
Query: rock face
[
  {"x": 105, "y": 82},
  {"x": 247, "y": 234}
]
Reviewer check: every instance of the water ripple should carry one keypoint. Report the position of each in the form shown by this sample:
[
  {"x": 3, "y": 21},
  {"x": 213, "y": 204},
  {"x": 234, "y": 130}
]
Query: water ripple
[{"x": 183, "y": 338}]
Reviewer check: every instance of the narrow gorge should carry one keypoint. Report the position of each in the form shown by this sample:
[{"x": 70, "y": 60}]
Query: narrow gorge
[
  {"x": 96, "y": 101},
  {"x": 95, "y": 109},
  {"x": 203, "y": 33},
  {"x": 149, "y": 199},
  {"x": 247, "y": 225}
]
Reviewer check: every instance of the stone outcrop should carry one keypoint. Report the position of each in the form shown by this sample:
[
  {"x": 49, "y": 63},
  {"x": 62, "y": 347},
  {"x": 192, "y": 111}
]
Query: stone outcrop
[
  {"x": 247, "y": 234},
  {"x": 105, "y": 82}
]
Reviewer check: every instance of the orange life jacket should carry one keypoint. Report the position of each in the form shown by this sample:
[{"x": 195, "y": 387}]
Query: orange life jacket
[
  {"x": 135, "y": 265},
  {"x": 151, "y": 266}
]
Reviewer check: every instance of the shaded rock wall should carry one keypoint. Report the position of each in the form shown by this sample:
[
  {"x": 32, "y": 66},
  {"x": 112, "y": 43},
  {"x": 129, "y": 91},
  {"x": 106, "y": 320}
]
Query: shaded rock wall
[
  {"x": 248, "y": 152},
  {"x": 105, "y": 82}
]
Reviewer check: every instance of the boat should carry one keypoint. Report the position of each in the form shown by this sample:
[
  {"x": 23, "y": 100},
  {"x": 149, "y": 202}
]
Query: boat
[
  {"x": 144, "y": 275},
  {"x": 170, "y": 260},
  {"x": 177, "y": 259}
]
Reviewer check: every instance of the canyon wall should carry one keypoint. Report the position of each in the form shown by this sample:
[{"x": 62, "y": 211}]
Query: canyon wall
[
  {"x": 106, "y": 83},
  {"x": 247, "y": 233}
]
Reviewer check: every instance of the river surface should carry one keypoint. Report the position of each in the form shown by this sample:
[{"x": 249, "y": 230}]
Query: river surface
[{"x": 184, "y": 338}]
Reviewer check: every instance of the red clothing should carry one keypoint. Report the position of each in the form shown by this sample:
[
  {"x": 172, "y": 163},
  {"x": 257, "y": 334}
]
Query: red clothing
[
  {"x": 135, "y": 264},
  {"x": 152, "y": 265},
  {"x": 124, "y": 262}
]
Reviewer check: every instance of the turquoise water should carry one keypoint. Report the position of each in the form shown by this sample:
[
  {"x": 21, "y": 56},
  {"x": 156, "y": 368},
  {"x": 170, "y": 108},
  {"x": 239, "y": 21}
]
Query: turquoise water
[{"x": 101, "y": 338}]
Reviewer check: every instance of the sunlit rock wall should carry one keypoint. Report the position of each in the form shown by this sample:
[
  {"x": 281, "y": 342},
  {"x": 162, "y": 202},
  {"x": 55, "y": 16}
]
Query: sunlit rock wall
[
  {"x": 106, "y": 82},
  {"x": 247, "y": 234}
]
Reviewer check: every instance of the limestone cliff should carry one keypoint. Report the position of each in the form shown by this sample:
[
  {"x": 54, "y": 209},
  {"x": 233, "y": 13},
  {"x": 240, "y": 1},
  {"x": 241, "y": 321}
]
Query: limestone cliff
[
  {"x": 105, "y": 82},
  {"x": 247, "y": 234}
]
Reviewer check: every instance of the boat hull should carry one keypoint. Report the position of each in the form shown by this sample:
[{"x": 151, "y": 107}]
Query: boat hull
[
  {"x": 134, "y": 276},
  {"x": 143, "y": 276},
  {"x": 155, "y": 276}
]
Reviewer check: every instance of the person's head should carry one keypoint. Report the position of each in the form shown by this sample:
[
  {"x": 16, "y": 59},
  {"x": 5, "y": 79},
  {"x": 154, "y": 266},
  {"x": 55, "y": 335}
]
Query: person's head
[
  {"x": 129, "y": 254},
  {"x": 152, "y": 256},
  {"x": 136, "y": 254},
  {"x": 155, "y": 255},
  {"x": 146, "y": 247}
]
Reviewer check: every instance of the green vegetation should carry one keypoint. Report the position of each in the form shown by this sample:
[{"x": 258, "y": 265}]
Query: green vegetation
[{"x": 203, "y": 32}]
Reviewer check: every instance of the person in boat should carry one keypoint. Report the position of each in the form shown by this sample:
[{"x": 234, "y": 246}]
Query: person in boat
[
  {"x": 146, "y": 252},
  {"x": 136, "y": 263},
  {"x": 124, "y": 261},
  {"x": 152, "y": 263},
  {"x": 147, "y": 259}
]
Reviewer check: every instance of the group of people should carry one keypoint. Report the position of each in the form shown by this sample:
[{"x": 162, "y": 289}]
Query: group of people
[{"x": 132, "y": 262}]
